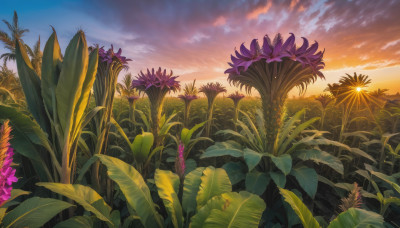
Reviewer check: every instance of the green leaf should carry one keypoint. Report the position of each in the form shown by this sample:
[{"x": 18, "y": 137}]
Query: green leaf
[
  {"x": 190, "y": 188},
  {"x": 134, "y": 188},
  {"x": 257, "y": 182},
  {"x": 355, "y": 217},
  {"x": 76, "y": 222},
  {"x": 307, "y": 179},
  {"x": 34, "y": 212},
  {"x": 14, "y": 194},
  {"x": 215, "y": 203},
  {"x": 213, "y": 182},
  {"x": 229, "y": 147},
  {"x": 301, "y": 210},
  {"x": 141, "y": 146},
  {"x": 235, "y": 171},
  {"x": 242, "y": 210},
  {"x": 252, "y": 158},
  {"x": 83, "y": 195},
  {"x": 279, "y": 179},
  {"x": 283, "y": 162},
  {"x": 186, "y": 134},
  {"x": 323, "y": 157},
  {"x": 168, "y": 187}
]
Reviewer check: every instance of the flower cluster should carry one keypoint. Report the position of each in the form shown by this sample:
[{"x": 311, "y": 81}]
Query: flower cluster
[
  {"x": 158, "y": 79},
  {"x": 180, "y": 162},
  {"x": 187, "y": 97},
  {"x": 354, "y": 199},
  {"x": 7, "y": 173},
  {"x": 276, "y": 51},
  {"x": 236, "y": 97},
  {"x": 109, "y": 56},
  {"x": 212, "y": 89}
]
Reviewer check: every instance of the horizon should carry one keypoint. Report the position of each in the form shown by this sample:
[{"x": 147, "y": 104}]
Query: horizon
[{"x": 196, "y": 40}]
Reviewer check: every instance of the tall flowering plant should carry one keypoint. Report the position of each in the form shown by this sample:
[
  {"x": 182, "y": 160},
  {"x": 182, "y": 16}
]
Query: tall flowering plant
[
  {"x": 273, "y": 69},
  {"x": 324, "y": 100},
  {"x": 211, "y": 90},
  {"x": 156, "y": 85},
  {"x": 236, "y": 97},
  {"x": 190, "y": 94},
  {"x": 7, "y": 176},
  {"x": 104, "y": 87},
  {"x": 125, "y": 90}
]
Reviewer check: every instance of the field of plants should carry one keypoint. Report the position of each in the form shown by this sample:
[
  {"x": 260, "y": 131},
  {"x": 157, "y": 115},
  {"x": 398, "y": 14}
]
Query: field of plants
[{"x": 81, "y": 148}]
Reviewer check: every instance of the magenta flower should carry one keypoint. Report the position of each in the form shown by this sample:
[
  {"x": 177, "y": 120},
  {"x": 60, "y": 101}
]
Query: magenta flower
[
  {"x": 109, "y": 56},
  {"x": 159, "y": 79},
  {"x": 180, "y": 162},
  {"x": 7, "y": 173}
]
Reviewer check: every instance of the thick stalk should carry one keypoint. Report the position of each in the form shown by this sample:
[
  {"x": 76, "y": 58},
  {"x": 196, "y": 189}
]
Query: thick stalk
[
  {"x": 209, "y": 116},
  {"x": 272, "y": 109},
  {"x": 186, "y": 114},
  {"x": 235, "y": 114},
  {"x": 156, "y": 107}
]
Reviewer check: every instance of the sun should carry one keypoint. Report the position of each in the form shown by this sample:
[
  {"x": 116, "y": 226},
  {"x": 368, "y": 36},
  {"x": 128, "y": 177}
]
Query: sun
[{"x": 358, "y": 89}]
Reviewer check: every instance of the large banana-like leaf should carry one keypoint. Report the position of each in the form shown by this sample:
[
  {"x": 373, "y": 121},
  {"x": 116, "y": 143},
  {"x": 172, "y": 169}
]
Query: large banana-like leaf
[
  {"x": 300, "y": 208},
  {"x": 141, "y": 146},
  {"x": 34, "y": 212},
  {"x": 134, "y": 188},
  {"x": 257, "y": 182},
  {"x": 72, "y": 77},
  {"x": 191, "y": 187},
  {"x": 240, "y": 210},
  {"x": 30, "y": 82},
  {"x": 355, "y": 217},
  {"x": 83, "y": 195},
  {"x": 51, "y": 67},
  {"x": 168, "y": 187},
  {"x": 283, "y": 162},
  {"x": 198, "y": 220},
  {"x": 323, "y": 157},
  {"x": 307, "y": 179},
  {"x": 252, "y": 158},
  {"x": 76, "y": 222},
  {"x": 229, "y": 147},
  {"x": 213, "y": 182}
]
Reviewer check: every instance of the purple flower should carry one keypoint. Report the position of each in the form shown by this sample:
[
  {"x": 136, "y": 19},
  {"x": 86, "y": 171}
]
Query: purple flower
[
  {"x": 236, "y": 97},
  {"x": 109, "y": 56},
  {"x": 276, "y": 51},
  {"x": 180, "y": 162},
  {"x": 132, "y": 98},
  {"x": 187, "y": 97},
  {"x": 212, "y": 89},
  {"x": 156, "y": 79},
  {"x": 7, "y": 173}
]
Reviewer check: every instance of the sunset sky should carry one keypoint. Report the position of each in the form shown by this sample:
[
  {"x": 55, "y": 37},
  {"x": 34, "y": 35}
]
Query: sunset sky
[{"x": 195, "y": 38}]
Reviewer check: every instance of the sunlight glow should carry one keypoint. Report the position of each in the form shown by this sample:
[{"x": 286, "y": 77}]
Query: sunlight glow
[{"x": 358, "y": 89}]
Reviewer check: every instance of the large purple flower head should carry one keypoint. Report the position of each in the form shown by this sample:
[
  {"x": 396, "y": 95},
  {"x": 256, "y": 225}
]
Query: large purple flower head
[
  {"x": 7, "y": 173},
  {"x": 180, "y": 161},
  {"x": 277, "y": 51},
  {"x": 187, "y": 97},
  {"x": 156, "y": 79},
  {"x": 212, "y": 89},
  {"x": 236, "y": 97},
  {"x": 110, "y": 56}
]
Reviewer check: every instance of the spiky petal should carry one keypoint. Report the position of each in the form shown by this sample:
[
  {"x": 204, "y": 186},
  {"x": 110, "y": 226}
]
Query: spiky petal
[
  {"x": 236, "y": 97},
  {"x": 158, "y": 79},
  {"x": 7, "y": 173},
  {"x": 109, "y": 56}
]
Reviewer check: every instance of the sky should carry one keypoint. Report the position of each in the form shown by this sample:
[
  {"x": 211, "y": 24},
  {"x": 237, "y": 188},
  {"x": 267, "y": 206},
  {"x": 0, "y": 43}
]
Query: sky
[{"x": 195, "y": 38}]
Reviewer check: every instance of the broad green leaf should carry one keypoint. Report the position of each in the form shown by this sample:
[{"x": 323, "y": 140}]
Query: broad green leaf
[
  {"x": 34, "y": 212},
  {"x": 235, "y": 171},
  {"x": 215, "y": 203},
  {"x": 76, "y": 222},
  {"x": 307, "y": 179},
  {"x": 283, "y": 162},
  {"x": 388, "y": 179},
  {"x": 240, "y": 210},
  {"x": 355, "y": 217},
  {"x": 301, "y": 210},
  {"x": 213, "y": 182},
  {"x": 229, "y": 147},
  {"x": 257, "y": 182},
  {"x": 83, "y": 195},
  {"x": 186, "y": 134},
  {"x": 141, "y": 146},
  {"x": 190, "y": 188},
  {"x": 51, "y": 61},
  {"x": 14, "y": 194},
  {"x": 71, "y": 80},
  {"x": 323, "y": 157},
  {"x": 168, "y": 187},
  {"x": 134, "y": 188},
  {"x": 279, "y": 179},
  {"x": 30, "y": 83},
  {"x": 252, "y": 158}
]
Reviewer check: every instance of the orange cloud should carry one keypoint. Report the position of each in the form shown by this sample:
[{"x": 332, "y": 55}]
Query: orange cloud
[{"x": 257, "y": 11}]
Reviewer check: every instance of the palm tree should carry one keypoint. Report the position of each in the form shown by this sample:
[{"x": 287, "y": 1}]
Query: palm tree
[
  {"x": 9, "y": 39},
  {"x": 125, "y": 90},
  {"x": 9, "y": 84}
]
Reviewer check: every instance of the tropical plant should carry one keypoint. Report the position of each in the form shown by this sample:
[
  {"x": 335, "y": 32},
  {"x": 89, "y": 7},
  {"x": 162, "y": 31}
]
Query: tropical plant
[
  {"x": 10, "y": 86},
  {"x": 156, "y": 85},
  {"x": 125, "y": 90},
  {"x": 273, "y": 70},
  {"x": 36, "y": 57},
  {"x": 324, "y": 100},
  {"x": 211, "y": 90},
  {"x": 236, "y": 97},
  {"x": 16, "y": 33},
  {"x": 190, "y": 94},
  {"x": 352, "y": 217}
]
